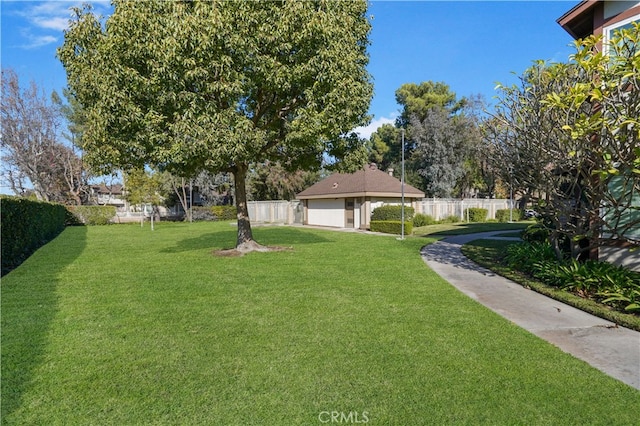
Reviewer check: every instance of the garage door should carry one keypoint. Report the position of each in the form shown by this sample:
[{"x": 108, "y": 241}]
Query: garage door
[{"x": 326, "y": 212}]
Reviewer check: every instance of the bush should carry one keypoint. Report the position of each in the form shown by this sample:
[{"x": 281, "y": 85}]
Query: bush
[
  {"x": 91, "y": 215},
  {"x": 224, "y": 212},
  {"x": 476, "y": 214},
  {"x": 450, "y": 219},
  {"x": 504, "y": 215},
  {"x": 423, "y": 220},
  {"x": 27, "y": 225},
  {"x": 612, "y": 285},
  {"x": 392, "y": 213},
  {"x": 214, "y": 213},
  {"x": 391, "y": 226},
  {"x": 535, "y": 233}
]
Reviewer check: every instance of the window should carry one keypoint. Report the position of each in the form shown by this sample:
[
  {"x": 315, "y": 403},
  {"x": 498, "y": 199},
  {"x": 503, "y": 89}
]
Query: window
[{"x": 626, "y": 47}]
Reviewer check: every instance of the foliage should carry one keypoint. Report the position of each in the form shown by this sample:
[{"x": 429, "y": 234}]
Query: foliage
[
  {"x": 420, "y": 219},
  {"x": 536, "y": 232},
  {"x": 219, "y": 86},
  {"x": 224, "y": 212},
  {"x": 612, "y": 285},
  {"x": 450, "y": 219},
  {"x": 392, "y": 212},
  {"x": 31, "y": 152},
  {"x": 391, "y": 226},
  {"x": 271, "y": 181},
  {"x": 27, "y": 225},
  {"x": 93, "y": 215},
  {"x": 214, "y": 213},
  {"x": 506, "y": 215},
  {"x": 143, "y": 187},
  {"x": 476, "y": 214},
  {"x": 570, "y": 132}
]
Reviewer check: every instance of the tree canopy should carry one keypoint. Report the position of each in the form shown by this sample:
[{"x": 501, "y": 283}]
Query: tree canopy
[{"x": 216, "y": 85}]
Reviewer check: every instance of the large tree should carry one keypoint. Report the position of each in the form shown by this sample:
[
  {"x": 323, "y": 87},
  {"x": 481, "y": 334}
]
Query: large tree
[
  {"x": 33, "y": 158},
  {"x": 219, "y": 85}
]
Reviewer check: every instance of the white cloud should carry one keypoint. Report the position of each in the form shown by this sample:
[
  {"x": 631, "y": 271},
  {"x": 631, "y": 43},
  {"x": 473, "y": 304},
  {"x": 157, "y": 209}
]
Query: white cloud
[
  {"x": 366, "y": 131},
  {"x": 32, "y": 41},
  {"x": 51, "y": 23}
]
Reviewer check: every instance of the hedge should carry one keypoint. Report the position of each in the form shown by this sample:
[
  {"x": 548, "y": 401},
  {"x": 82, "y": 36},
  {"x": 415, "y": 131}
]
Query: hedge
[
  {"x": 504, "y": 215},
  {"x": 423, "y": 220},
  {"x": 214, "y": 213},
  {"x": 392, "y": 213},
  {"x": 391, "y": 226},
  {"x": 26, "y": 226},
  {"x": 476, "y": 214},
  {"x": 91, "y": 215}
]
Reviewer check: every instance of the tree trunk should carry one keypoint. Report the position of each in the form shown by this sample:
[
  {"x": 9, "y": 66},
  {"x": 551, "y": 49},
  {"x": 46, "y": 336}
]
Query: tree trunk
[{"x": 245, "y": 236}]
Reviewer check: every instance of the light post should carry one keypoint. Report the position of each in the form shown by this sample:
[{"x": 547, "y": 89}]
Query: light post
[{"x": 402, "y": 189}]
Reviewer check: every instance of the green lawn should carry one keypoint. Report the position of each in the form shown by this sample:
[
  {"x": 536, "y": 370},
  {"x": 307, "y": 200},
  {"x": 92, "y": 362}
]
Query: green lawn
[{"x": 121, "y": 325}]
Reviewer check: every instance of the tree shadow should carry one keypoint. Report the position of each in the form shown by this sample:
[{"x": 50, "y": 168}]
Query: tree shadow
[
  {"x": 29, "y": 304},
  {"x": 266, "y": 235},
  {"x": 450, "y": 254}
]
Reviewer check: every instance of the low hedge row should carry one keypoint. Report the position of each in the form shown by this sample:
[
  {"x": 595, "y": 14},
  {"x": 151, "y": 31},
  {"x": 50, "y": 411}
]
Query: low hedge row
[
  {"x": 392, "y": 213},
  {"x": 391, "y": 226},
  {"x": 505, "y": 215},
  {"x": 26, "y": 226},
  {"x": 90, "y": 215},
  {"x": 214, "y": 213}
]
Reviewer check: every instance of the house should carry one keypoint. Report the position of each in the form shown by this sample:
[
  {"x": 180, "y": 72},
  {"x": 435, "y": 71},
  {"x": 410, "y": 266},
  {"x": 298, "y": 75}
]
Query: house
[
  {"x": 108, "y": 195},
  {"x": 599, "y": 17},
  {"x": 346, "y": 200},
  {"x": 602, "y": 18}
]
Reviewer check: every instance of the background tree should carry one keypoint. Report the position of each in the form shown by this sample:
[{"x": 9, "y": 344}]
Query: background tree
[
  {"x": 271, "y": 181},
  {"x": 143, "y": 187},
  {"x": 218, "y": 86},
  {"x": 33, "y": 158}
]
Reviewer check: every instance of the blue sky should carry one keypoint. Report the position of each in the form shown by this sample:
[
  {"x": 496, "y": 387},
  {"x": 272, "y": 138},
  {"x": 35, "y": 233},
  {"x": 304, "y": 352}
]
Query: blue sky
[{"x": 469, "y": 45}]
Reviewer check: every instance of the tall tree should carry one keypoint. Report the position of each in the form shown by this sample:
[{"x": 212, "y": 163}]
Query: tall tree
[
  {"x": 32, "y": 156},
  {"x": 219, "y": 85}
]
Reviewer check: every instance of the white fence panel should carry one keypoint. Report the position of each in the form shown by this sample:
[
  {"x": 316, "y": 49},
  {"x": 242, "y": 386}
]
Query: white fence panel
[
  {"x": 440, "y": 208},
  {"x": 287, "y": 212}
]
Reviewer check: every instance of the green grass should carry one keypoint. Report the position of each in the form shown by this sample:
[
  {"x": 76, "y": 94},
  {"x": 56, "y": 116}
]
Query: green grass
[
  {"x": 120, "y": 325},
  {"x": 489, "y": 253}
]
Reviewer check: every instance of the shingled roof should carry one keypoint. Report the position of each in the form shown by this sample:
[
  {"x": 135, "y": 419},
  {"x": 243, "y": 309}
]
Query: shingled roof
[{"x": 368, "y": 182}]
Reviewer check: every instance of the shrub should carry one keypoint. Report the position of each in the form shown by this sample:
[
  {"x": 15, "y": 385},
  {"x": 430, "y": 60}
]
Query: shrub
[
  {"x": 27, "y": 225},
  {"x": 476, "y": 214},
  {"x": 391, "y": 226},
  {"x": 535, "y": 233},
  {"x": 392, "y": 213},
  {"x": 450, "y": 219},
  {"x": 213, "y": 213},
  {"x": 422, "y": 220},
  {"x": 612, "y": 285},
  {"x": 91, "y": 215},
  {"x": 505, "y": 215},
  {"x": 202, "y": 213},
  {"x": 224, "y": 212}
]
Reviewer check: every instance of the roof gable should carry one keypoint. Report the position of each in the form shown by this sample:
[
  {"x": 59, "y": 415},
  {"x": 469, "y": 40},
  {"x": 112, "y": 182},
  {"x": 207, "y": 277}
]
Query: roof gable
[{"x": 365, "y": 182}]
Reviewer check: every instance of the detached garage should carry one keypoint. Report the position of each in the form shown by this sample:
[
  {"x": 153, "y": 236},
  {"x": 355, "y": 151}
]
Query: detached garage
[{"x": 346, "y": 200}]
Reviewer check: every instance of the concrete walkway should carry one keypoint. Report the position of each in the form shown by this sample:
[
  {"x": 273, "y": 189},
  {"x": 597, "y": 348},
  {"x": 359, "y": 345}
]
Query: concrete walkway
[{"x": 611, "y": 349}]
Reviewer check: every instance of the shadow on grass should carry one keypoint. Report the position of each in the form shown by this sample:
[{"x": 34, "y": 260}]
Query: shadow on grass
[
  {"x": 28, "y": 308},
  {"x": 473, "y": 228},
  {"x": 276, "y": 235}
]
